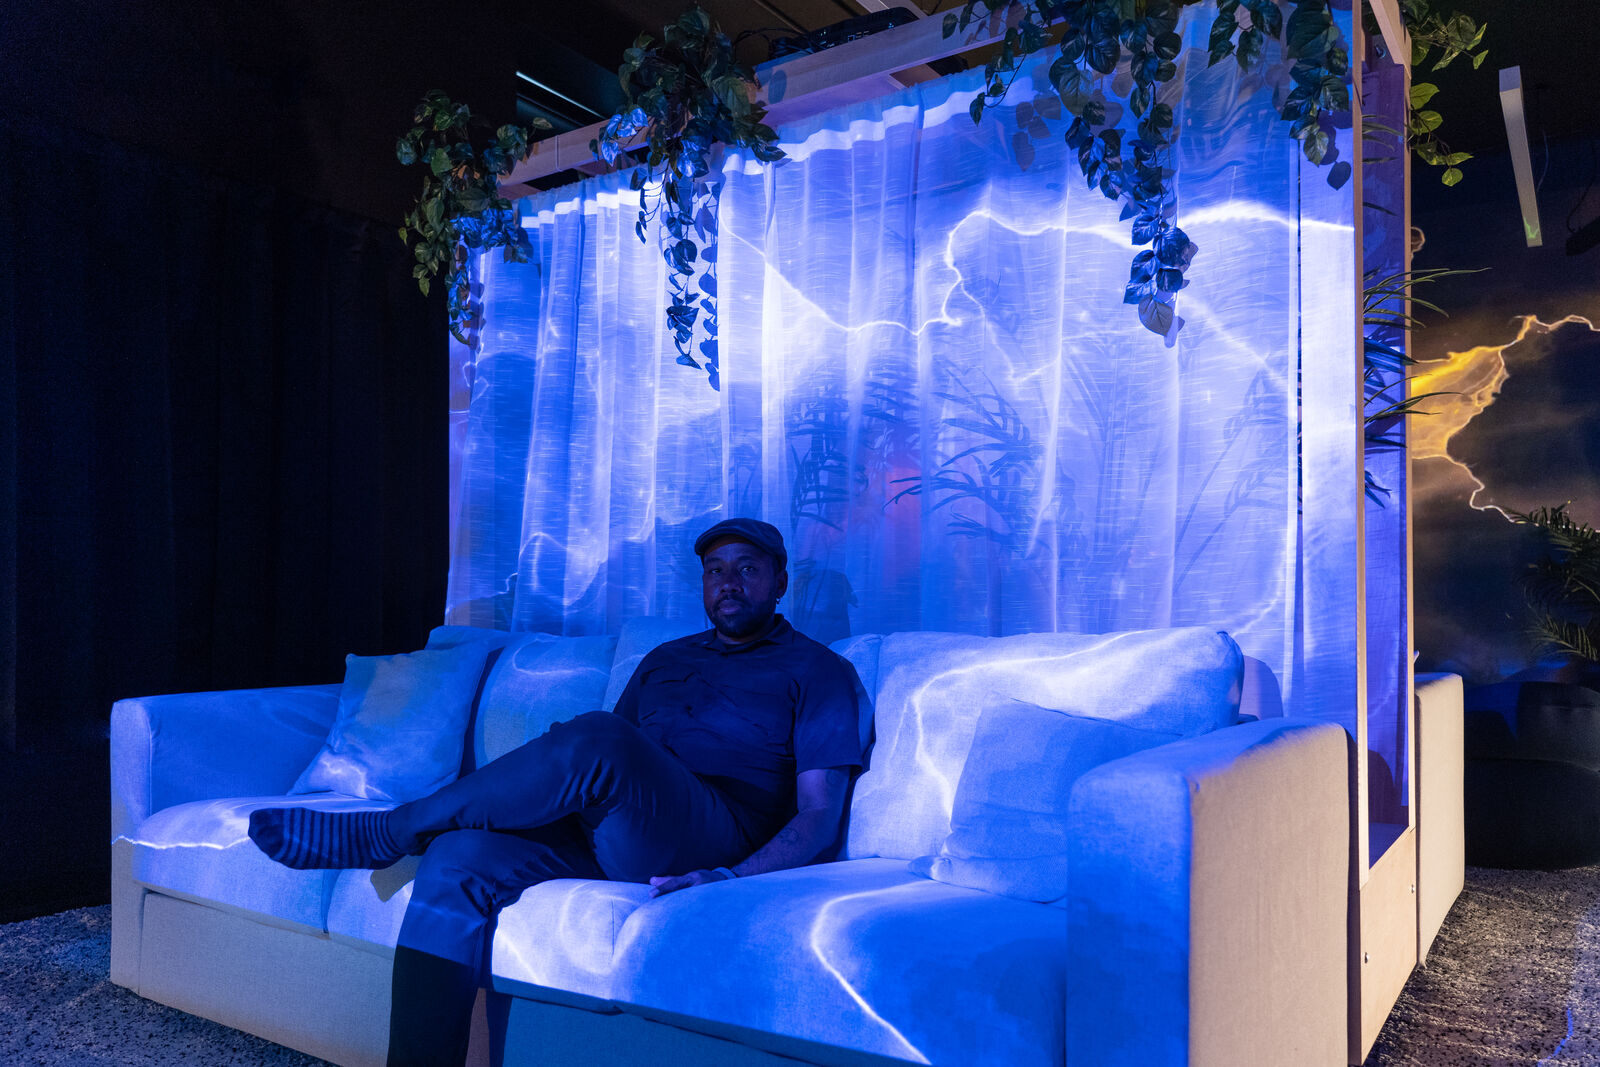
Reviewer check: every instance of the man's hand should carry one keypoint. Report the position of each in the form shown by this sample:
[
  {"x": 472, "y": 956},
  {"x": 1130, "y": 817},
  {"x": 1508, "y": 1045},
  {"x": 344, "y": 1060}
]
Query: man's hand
[{"x": 660, "y": 885}]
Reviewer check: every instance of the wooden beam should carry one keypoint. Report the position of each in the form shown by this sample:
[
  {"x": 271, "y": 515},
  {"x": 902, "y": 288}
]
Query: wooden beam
[
  {"x": 796, "y": 88},
  {"x": 911, "y": 75},
  {"x": 1393, "y": 28},
  {"x": 885, "y": 5}
]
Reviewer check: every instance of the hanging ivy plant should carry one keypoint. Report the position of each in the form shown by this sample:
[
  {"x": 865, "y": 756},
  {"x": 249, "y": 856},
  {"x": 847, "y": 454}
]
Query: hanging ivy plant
[
  {"x": 1128, "y": 156},
  {"x": 684, "y": 94},
  {"x": 1433, "y": 34},
  {"x": 460, "y": 209}
]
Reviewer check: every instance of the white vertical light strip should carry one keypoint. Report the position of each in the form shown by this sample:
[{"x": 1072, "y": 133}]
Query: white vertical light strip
[
  {"x": 1521, "y": 164},
  {"x": 559, "y": 96}
]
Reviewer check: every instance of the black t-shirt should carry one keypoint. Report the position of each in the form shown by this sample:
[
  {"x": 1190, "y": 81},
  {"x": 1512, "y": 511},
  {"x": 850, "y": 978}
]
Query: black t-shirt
[{"x": 748, "y": 718}]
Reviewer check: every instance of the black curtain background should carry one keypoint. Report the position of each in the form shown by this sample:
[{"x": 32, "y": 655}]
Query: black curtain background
[{"x": 223, "y": 464}]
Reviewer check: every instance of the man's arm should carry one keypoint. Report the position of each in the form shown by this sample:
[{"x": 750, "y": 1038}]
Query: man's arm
[{"x": 819, "y": 795}]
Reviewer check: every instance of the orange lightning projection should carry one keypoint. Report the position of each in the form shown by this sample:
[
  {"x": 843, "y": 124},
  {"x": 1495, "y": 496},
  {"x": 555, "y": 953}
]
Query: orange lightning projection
[{"x": 1472, "y": 381}]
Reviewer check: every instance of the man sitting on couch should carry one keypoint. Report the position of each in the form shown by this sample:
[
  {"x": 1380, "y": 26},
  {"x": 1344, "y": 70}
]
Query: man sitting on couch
[{"x": 729, "y": 753}]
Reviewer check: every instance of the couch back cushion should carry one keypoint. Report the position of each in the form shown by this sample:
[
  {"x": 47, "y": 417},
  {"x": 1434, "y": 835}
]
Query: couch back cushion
[
  {"x": 638, "y": 637},
  {"x": 930, "y": 689},
  {"x": 862, "y": 653},
  {"x": 535, "y": 681}
]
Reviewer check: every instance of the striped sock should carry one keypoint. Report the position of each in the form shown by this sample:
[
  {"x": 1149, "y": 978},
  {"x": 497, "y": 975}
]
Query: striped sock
[{"x": 306, "y": 839}]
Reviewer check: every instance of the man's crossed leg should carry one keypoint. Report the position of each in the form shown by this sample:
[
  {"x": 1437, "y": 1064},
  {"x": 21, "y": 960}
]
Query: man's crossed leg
[{"x": 592, "y": 798}]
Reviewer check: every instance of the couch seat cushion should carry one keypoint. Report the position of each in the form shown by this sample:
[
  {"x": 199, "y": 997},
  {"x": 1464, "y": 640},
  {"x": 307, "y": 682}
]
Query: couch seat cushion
[
  {"x": 562, "y": 934},
  {"x": 365, "y": 908},
  {"x": 858, "y": 953},
  {"x": 559, "y": 935},
  {"x": 201, "y": 851}
]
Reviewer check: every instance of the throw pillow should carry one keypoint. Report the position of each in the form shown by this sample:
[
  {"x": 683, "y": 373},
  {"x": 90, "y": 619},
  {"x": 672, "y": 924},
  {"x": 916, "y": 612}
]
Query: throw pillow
[
  {"x": 1008, "y": 820},
  {"x": 400, "y": 726}
]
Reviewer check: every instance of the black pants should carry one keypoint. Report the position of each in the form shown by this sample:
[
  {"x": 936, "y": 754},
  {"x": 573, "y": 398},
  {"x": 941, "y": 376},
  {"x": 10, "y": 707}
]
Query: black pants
[{"x": 592, "y": 798}]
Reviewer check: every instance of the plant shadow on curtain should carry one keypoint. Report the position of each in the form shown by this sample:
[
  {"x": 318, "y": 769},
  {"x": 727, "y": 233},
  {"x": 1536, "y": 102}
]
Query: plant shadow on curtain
[{"x": 929, "y": 382}]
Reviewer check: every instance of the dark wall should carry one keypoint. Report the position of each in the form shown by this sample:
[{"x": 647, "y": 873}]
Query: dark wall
[
  {"x": 1520, "y": 356},
  {"x": 305, "y": 96},
  {"x": 223, "y": 452}
]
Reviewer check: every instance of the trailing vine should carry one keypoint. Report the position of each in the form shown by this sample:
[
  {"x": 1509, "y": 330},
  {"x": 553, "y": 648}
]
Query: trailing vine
[
  {"x": 1131, "y": 165},
  {"x": 1128, "y": 157},
  {"x": 1448, "y": 38},
  {"x": 683, "y": 95},
  {"x": 460, "y": 208}
]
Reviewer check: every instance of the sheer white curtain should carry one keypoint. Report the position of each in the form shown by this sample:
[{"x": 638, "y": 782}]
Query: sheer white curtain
[{"x": 929, "y": 382}]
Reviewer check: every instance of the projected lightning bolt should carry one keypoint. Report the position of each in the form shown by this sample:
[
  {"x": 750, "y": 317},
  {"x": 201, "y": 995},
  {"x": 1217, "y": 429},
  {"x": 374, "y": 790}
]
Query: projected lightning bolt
[
  {"x": 1106, "y": 230},
  {"x": 1475, "y": 377}
]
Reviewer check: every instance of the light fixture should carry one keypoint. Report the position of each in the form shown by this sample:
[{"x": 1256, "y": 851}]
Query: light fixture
[{"x": 1521, "y": 164}]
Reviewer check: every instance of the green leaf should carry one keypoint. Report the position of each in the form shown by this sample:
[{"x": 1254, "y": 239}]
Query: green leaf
[
  {"x": 1457, "y": 157},
  {"x": 1421, "y": 93},
  {"x": 950, "y": 22},
  {"x": 1156, "y": 315},
  {"x": 1315, "y": 144},
  {"x": 975, "y": 109},
  {"x": 474, "y": 199},
  {"x": 1426, "y": 121},
  {"x": 1451, "y": 176}
]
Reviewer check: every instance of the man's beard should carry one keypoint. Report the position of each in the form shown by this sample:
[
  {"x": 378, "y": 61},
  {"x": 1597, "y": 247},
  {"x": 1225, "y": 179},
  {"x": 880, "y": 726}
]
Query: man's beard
[{"x": 748, "y": 621}]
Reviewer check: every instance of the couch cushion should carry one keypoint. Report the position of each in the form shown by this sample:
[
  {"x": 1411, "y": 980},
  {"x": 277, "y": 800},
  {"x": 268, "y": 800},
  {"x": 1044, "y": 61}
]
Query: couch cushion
[
  {"x": 401, "y": 724},
  {"x": 201, "y": 851},
  {"x": 562, "y": 934},
  {"x": 365, "y": 908},
  {"x": 559, "y": 935},
  {"x": 1008, "y": 826},
  {"x": 638, "y": 637},
  {"x": 862, "y": 653},
  {"x": 857, "y": 953},
  {"x": 931, "y": 689},
  {"x": 536, "y": 682}
]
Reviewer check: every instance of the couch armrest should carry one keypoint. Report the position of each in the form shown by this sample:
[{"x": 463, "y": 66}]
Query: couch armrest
[
  {"x": 168, "y": 750},
  {"x": 1207, "y": 894}
]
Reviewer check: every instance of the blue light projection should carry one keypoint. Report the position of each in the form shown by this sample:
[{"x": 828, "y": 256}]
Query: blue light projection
[{"x": 928, "y": 382}]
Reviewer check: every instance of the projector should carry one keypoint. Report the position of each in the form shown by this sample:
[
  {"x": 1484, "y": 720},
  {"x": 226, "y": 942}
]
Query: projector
[{"x": 840, "y": 32}]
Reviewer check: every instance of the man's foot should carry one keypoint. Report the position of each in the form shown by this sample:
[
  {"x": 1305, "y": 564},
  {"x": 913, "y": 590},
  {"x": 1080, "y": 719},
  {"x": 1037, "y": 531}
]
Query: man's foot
[{"x": 307, "y": 839}]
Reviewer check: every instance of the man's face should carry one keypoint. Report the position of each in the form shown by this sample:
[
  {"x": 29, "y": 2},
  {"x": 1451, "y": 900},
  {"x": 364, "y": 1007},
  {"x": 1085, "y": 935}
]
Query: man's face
[{"x": 740, "y": 589}]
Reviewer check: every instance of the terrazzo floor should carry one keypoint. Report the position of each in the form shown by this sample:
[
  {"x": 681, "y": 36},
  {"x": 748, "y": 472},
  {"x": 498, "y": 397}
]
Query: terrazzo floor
[{"x": 1513, "y": 977}]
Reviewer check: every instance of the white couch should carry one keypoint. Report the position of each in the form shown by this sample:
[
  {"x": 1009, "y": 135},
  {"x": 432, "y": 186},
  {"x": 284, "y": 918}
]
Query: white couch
[{"x": 1204, "y": 918}]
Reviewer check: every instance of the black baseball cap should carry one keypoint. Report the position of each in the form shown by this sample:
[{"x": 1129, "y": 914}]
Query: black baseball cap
[{"x": 763, "y": 535}]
